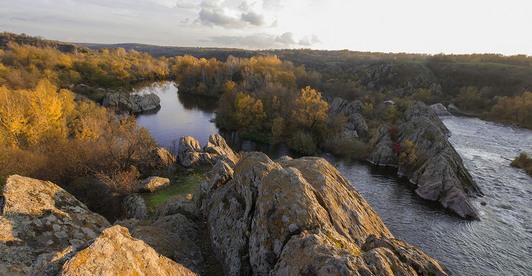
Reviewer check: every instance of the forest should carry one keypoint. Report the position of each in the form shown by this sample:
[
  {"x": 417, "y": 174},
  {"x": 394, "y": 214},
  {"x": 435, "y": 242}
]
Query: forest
[{"x": 476, "y": 83}]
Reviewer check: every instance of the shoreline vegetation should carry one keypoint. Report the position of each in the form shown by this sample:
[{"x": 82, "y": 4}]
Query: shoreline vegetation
[
  {"x": 523, "y": 161},
  {"x": 53, "y": 128}
]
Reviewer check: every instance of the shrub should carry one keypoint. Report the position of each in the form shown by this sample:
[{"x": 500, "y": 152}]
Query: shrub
[
  {"x": 303, "y": 142},
  {"x": 523, "y": 161},
  {"x": 342, "y": 147}
]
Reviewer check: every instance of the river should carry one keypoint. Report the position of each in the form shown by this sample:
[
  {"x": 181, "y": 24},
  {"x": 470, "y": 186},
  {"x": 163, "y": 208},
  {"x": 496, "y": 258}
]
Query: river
[{"x": 499, "y": 244}]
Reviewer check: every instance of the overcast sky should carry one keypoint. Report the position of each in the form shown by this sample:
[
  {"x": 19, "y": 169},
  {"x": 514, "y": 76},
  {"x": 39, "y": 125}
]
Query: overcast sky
[{"x": 416, "y": 26}]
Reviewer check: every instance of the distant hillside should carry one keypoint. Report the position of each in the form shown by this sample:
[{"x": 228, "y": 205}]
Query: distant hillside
[
  {"x": 23, "y": 39},
  {"x": 170, "y": 51}
]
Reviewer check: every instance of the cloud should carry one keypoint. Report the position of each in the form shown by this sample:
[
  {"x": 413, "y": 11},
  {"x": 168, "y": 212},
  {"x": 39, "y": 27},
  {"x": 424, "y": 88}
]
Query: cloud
[
  {"x": 213, "y": 14},
  {"x": 244, "y": 6},
  {"x": 218, "y": 18},
  {"x": 271, "y": 4},
  {"x": 253, "y": 18},
  {"x": 309, "y": 41},
  {"x": 286, "y": 38},
  {"x": 180, "y": 4},
  {"x": 254, "y": 41}
]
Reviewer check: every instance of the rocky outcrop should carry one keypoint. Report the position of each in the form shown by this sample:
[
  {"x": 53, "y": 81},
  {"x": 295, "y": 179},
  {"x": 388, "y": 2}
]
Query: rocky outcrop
[
  {"x": 405, "y": 78},
  {"x": 41, "y": 219},
  {"x": 152, "y": 184},
  {"x": 439, "y": 109},
  {"x": 172, "y": 231},
  {"x": 117, "y": 252},
  {"x": 160, "y": 159},
  {"x": 134, "y": 103},
  {"x": 178, "y": 205},
  {"x": 356, "y": 125},
  {"x": 134, "y": 206},
  {"x": 425, "y": 156},
  {"x": 299, "y": 217},
  {"x": 190, "y": 152},
  {"x": 453, "y": 109},
  {"x": 173, "y": 242},
  {"x": 383, "y": 154}
]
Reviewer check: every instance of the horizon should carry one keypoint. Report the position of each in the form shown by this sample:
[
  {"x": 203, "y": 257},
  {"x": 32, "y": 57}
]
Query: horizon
[{"x": 414, "y": 27}]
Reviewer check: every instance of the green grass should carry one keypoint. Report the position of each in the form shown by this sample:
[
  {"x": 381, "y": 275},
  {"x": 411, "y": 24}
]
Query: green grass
[{"x": 181, "y": 185}]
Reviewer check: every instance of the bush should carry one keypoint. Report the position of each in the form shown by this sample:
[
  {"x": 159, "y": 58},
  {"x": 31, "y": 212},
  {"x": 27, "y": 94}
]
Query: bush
[
  {"x": 523, "y": 161},
  {"x": 342, "y": 147},
  {"x": 303, "y": 142}
]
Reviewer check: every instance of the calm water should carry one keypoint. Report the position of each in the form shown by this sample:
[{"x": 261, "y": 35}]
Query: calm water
[
  {"x": 180, "y": 115},
  {"x": 499, "y": 244}
]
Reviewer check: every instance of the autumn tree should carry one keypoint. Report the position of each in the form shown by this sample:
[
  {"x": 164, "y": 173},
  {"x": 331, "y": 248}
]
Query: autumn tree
[
  {"x": 249, "y": 113},
  {"x": 310, "y": 111}
]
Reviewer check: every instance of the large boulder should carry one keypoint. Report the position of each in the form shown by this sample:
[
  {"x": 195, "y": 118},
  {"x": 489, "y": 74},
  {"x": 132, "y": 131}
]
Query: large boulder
[
  {"x": 190, "y": 152},
  {"x": 453, "y": 109},
  {"x": 135, "y": 103},
  {"x": 440, "y": 109},
  {"x": 134, "y": 207},
  {"x": 40, "y": 218},
  {"x": 152, "y": 184},
  {"x": 428, "y": 160},
  {"x": 299, "y": 217},
  {"x": 178, "y": 205},
  {"x": 160, "y": 159},
  {"x": 117, "y": 252},
  {"x": 173, "y": 236},
  {"x": 175, "y": 245}
]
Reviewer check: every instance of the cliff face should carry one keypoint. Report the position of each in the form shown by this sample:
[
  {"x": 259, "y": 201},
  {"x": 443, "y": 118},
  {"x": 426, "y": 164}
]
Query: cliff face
[
  {"x": 428, "y": 160},
  {"x": 402, "y": 77},
  {"x": 297, "y": 217}
]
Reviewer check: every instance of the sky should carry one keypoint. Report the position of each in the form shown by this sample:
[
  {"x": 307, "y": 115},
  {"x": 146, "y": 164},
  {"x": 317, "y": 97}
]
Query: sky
[{"x": 412, "y": 26}]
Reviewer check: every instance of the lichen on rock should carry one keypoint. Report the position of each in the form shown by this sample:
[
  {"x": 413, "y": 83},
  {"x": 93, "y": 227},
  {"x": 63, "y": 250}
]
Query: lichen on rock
[{"x": 298, "y": 217}]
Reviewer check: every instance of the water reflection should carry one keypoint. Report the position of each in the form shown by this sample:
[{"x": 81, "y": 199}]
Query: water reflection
[
  {"x": 178, "y": 116},
  {"x": 201, "y": 103}
]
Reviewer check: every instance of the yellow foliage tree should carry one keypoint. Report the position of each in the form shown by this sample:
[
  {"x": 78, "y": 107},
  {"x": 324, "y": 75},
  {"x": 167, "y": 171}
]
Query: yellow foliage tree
[
  {"x": 310, "y": 111},
  {"x": 46, "y": 113},
  {"x": 249, "y": 113},
  {"x": 13, "y": 119}
]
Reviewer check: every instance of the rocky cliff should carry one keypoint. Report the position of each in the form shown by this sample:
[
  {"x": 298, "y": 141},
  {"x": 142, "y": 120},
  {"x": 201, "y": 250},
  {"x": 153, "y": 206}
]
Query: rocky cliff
[
  {"x": 402, "y": 77},
  {"x": 425, "y": 156},
  {"x": 190, "y": 152},
  {"x": 296, "y": 217},
  {"x": 356, "y": 125}
]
